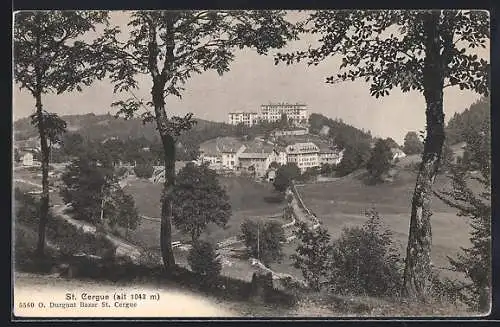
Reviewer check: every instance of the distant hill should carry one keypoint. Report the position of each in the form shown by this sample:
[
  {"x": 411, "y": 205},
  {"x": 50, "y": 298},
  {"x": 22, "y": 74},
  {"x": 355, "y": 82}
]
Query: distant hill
[{"x": 99, "y": 127}]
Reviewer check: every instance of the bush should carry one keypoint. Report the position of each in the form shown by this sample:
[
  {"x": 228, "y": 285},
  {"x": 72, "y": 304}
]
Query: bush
[
  {"x": 312, "y": 254},
  {"x": 143, "y": 170},
  {"x": 71, "y": 240},
  {"x": 364, "y": 261},
  {"x": 264, "y": 241},
  {"x": 205, "y": 261},
  {"x": 121, "y": 172},
  {"x": 380, "y": 160},
  {"x": 24, "y": 245},
  {"x": 27, "y": 208}
]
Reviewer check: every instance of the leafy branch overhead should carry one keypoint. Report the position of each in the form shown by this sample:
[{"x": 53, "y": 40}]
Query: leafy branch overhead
[
  {"x": 386, "y": 48},
  {"x": 48, "y": 50},
  {"x": 53, "y": 124},
  {"x": 172, "y": 46}
]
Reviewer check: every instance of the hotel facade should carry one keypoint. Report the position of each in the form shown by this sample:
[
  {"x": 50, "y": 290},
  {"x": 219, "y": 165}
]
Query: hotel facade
[{"x": 296, "y": 113}]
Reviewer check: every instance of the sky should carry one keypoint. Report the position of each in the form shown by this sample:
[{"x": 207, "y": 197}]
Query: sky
[{"x": 254, "y": 80}]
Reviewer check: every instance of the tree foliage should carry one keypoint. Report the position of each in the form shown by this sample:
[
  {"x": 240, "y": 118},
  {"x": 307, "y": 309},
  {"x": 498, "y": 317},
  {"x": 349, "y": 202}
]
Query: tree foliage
[
  {"x": 365, "y": 261},
  {"x": 285, "y": 175},
  {"x": 143, "y": 170},
  {"x": 51, "y": 57},
  {"x": 312, "y": 254},
  {"x": 92, "y": 190},
  {"x": 205, "y": 261},
  {"x": 263, "y": 240},
  {"x": 172, "y": 46},
  {"x": 423, "y": 51},
  {"x": 120, "y": 210},
  {"x": 475, "y": 261},
  {"x": 355, "y": 156},
  {"x": 386, "y": 60},
  {"x": 380, "y": 160},
  {"x": 469, "y": 122},
  {"x": 391, "y": 143},
  {"x": 199, "y": 200},
  {"x": 412, "y": 144}
]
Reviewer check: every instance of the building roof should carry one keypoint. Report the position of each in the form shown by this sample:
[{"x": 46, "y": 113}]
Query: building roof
[
  {"x": 397, "y": 150},
  {"x": 263, "y": 155},
  {"x": 215, "y": 147},
  {"x": 302, "y": 147},
  {"x": 283, "y": 104},
  {"x": 258, "y": 147},
  {"x": 243, "y": 112}
]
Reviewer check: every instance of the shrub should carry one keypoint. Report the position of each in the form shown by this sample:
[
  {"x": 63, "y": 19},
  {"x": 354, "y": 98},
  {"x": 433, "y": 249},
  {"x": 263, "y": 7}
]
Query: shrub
[
  {"x": 205, "y": 261},
  {"x": 380, "y": 160},
  {"x": 24, "y": 245},
  {"x": 365, "y": 261},
  {"x": 263, "y": 240},
  {"x": 121, "y": 172},
  {"x": 27, "y": 207},
  {"x": 312, "y": 254},
  {"x": 143, "y": 170},
  {"x": 71, "y": 240}
]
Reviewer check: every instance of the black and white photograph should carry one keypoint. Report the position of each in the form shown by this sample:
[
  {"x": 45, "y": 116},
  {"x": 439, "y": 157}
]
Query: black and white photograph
[{"x": 251, "y": 163}]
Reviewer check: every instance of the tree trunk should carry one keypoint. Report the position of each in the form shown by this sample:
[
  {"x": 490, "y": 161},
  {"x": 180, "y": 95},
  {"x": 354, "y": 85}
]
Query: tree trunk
[
  {"x": 44, "y": 203},
  {"x": 418, "y": 254},
  {"x": 168, "y": 143}
]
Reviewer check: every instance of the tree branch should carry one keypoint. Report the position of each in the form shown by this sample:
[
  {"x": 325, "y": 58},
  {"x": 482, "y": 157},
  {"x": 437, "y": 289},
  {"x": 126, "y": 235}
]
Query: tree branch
[
  {"x": 152, "y": 48},
  {"x": 169, "y": 49}
]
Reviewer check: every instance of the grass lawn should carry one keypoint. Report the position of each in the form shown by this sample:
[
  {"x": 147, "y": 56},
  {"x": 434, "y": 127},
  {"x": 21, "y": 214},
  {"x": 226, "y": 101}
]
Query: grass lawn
[
  {"x": 342, "y": 203},
  {"x": 246, "y": 197}
]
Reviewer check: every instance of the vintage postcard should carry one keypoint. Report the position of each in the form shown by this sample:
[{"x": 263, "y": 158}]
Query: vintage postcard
[{"x": 251, "y": 163}]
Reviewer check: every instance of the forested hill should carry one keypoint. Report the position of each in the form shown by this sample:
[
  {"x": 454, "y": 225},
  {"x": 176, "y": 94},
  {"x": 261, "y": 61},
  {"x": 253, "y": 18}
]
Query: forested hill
[
  {"x": 98, "y": 127},
  {"x": 475, "y": 118},
  {"x": 338, "y": 130}
]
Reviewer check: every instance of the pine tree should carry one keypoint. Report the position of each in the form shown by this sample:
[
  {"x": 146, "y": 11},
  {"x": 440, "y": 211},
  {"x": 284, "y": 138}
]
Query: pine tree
[
  {"x": 380, "y": 160},
  {"x": 475, "y": 261}
]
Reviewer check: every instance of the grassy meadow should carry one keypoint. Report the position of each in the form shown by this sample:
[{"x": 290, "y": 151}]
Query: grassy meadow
[
  {"x": 246, "y": 198},
  {"x": 343, "y": 202}
]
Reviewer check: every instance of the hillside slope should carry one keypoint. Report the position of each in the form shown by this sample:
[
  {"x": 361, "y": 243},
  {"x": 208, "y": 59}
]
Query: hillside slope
[{"x": 98, "y": 127}]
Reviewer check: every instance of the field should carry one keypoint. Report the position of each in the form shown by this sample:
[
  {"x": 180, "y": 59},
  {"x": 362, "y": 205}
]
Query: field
[
  {"x": 343, "y": 202},
  {"x": 339, "y": 203},
  {"x": 246, "y": 198}
]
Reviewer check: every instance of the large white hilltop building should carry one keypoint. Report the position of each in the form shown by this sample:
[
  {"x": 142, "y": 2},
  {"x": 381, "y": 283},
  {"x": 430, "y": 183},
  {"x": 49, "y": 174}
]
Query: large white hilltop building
[{"x": 297, "y": 113}]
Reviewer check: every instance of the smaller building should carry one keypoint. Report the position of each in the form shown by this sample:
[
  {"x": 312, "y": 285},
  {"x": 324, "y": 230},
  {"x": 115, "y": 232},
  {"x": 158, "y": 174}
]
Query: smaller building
[
  {"x": 245, "y": 118},
  {"x": 221, "y": 153},
  {"x": 397, "y": 154},
  {"x": 271, "y": 175},
  {"x": 290, "y": 132},
  {"x": 27, "y": 159},
  {"x": 305, "y": 155},
  {"x": 255, "y": 164}
]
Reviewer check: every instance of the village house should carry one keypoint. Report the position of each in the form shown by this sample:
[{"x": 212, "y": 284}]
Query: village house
[
  {"x": 397, "y": 154},
  {"x": 27, "y": 159},
  {"x": 256, "y": 158},
  {"x": 305, "y": 155},
  {"x": 290, "y": 132},
  {"x": 221, "y": 153},
  {"x": 330, "y": 156}
]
